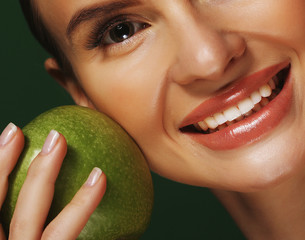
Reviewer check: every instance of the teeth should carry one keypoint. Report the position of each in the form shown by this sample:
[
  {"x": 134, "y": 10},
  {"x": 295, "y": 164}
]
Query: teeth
[
  {"x": 203, "y": 125},
  {"x": 244, "y": 108},
  {"x": 229, "y": 123},
  {"x": 245, "y": 105},
  {"x": 232, "y": 113},
  {"x": 241, "y": 117},
  {"x": 265, "y": 90},
  {"x": 264, "y": 102},
  {"x": 257, "y": 107},
  {"x": 222, "y": 126},
  {"x": 272, "y": 96},
  {"x": 211, "y": 122},
  {"x": 271, "y": 83},
  {"x": 220, "y": 118},
  {"x": 248, "y": 113},
  {"x": 256, "y": 97},
  {"x": 275, "y": 80}
]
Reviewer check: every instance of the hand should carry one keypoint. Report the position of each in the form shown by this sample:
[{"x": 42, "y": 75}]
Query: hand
[{"x": 36, "y": 194}]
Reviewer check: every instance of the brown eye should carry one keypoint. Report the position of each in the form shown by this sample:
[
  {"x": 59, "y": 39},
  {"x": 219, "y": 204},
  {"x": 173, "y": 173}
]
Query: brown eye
[{"x": 122, "y": 32}]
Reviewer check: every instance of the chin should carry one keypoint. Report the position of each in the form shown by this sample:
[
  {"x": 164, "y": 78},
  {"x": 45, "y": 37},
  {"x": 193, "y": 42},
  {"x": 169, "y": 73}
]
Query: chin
[{"x": 271, "y": 162}]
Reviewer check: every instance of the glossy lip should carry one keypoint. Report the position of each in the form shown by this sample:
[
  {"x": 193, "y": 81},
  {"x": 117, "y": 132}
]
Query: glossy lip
[{"x": 252, "y": 128}]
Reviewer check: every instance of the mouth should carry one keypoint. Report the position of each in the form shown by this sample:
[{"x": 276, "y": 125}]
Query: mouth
[{"x": 243, "y": 112}]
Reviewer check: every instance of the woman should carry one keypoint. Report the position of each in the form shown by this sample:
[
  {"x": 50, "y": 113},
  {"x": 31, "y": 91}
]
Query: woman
[{"x": 210, "y": 90}]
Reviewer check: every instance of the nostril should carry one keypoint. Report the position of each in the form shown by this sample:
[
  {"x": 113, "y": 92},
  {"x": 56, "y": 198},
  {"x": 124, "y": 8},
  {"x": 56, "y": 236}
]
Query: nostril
[{"x": 237, "y": 44}]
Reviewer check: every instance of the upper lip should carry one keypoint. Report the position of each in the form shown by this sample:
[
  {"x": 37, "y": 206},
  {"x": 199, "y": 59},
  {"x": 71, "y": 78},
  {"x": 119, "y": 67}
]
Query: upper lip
[{"x": 234, "y": 93}]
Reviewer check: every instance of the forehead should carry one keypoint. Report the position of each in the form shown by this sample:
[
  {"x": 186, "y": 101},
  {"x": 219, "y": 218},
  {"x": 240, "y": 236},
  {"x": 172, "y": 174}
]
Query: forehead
[
  {"x": 61, "y": 10},
  {"x": 57, "y": 13}
]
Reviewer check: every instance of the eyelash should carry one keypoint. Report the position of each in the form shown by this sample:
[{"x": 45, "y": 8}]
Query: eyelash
[{"x": 102, "y": 30}]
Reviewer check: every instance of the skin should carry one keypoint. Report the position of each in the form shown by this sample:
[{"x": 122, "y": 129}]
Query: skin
[
  {"x": 37, "y": 192},
  {"x": 152, "y": 81}
]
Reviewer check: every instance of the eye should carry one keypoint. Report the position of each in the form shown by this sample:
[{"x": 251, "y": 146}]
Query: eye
[
  {"x": 121, "y": 31},
  {"x": 106, "y": 34}
]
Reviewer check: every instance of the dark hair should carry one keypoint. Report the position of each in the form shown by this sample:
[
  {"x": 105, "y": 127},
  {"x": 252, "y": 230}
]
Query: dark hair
[{"x": 42, "y": 34}]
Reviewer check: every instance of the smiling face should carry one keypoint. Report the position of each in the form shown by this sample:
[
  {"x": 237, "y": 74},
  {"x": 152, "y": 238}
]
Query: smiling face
[{"x": 168, "y": 70}]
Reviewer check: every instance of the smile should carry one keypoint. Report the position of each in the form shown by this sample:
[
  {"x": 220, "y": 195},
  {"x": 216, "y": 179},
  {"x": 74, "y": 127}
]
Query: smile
[
  {"x": 246, "y": 107},
  {"x": 243, "y": 112}
]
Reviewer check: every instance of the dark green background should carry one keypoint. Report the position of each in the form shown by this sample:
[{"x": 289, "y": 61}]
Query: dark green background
[{"x": 180, "y": 212}]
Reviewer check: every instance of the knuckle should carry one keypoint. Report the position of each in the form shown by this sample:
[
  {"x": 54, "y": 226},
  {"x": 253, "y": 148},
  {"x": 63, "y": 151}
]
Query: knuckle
[
  {"x": 37, "y": 169},
  {"x": 78, "y": 203}
]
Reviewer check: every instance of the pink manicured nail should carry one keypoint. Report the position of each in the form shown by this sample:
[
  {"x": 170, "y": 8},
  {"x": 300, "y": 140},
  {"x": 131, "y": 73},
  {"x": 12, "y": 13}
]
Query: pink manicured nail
[
  {"x": 50, "y": 142},
  {"x": 93, "y": 177},
  {"x": 7, "y": 134}
]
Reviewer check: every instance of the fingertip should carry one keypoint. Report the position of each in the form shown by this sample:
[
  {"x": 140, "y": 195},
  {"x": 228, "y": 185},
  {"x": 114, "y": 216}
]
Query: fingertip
[
  {"x": 96, "y": 176},
  {"x": 62, "y": 143},
  {"x": 55, "y": 144},
  {"x": 104, "y": 183},
  {"x": 93, "y": 177},
  {"x": 12, "y": 143},
  {"x": 96, "y": 183},
  {"x": 19, "y": 138},
  {"x": 11, "y": 133}
]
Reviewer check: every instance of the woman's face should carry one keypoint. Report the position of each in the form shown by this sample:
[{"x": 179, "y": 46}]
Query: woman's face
[{"x": 163, "y": 68}]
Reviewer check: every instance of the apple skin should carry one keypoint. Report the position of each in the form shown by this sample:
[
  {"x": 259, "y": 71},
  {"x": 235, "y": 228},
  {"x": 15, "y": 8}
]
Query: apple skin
[{"x": 93, "y": 140}]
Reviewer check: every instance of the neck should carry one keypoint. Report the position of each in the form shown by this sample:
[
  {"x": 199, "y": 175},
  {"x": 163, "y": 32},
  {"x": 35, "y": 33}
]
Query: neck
[{"x": 276, "y": 213}]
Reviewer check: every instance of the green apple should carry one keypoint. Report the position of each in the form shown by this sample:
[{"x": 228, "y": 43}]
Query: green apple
[{"x": 93, "y": 140}]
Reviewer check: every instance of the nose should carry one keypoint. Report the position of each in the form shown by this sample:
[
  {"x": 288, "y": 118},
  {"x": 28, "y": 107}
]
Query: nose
[{"x": 204, "y": 52}]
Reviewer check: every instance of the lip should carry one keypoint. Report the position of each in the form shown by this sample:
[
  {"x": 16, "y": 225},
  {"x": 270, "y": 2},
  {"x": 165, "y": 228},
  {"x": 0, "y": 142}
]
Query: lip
[{"x": 252, "y": 128}]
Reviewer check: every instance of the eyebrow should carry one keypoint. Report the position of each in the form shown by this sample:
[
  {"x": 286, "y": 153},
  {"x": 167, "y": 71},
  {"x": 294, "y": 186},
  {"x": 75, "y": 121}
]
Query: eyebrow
[{"x": 90, "y": 13}]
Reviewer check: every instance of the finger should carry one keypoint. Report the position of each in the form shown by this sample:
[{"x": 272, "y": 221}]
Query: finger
[
  {"x": 36, "y": 194},
  {"x": 73, "y": 218},
  {"x": 11, "y": 145}
]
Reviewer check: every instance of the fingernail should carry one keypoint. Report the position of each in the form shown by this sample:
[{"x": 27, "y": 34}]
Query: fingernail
[
  {"x": 7, "y": 134},
  {"x": 50, "y": 142},
  {"x": 94, "y": 177}
]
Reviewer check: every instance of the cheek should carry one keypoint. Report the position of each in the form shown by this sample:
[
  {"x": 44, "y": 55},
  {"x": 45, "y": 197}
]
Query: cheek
[
  {"x": 129, "y": 94},
  {"x": 285, "y": 23},
  {"x": 277, "y": 20},
  {"x": 131, "y": 88}
]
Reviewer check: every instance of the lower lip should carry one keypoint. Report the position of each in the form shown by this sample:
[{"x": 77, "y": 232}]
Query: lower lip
[{"x": 252, "y": 128}]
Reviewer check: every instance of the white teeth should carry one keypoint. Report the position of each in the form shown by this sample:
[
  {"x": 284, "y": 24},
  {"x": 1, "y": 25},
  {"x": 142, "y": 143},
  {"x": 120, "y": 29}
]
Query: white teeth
[
  {"x": 232, "y": 113},
  {"x": 210, "y": 121},
  {"x": 245, "y": 105},
  {"x": 220, "y": 118},
  {"x": 244, "y": 108},
  {"x": 256, "y": 97},
  {"x": 265, "y": 90}
]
